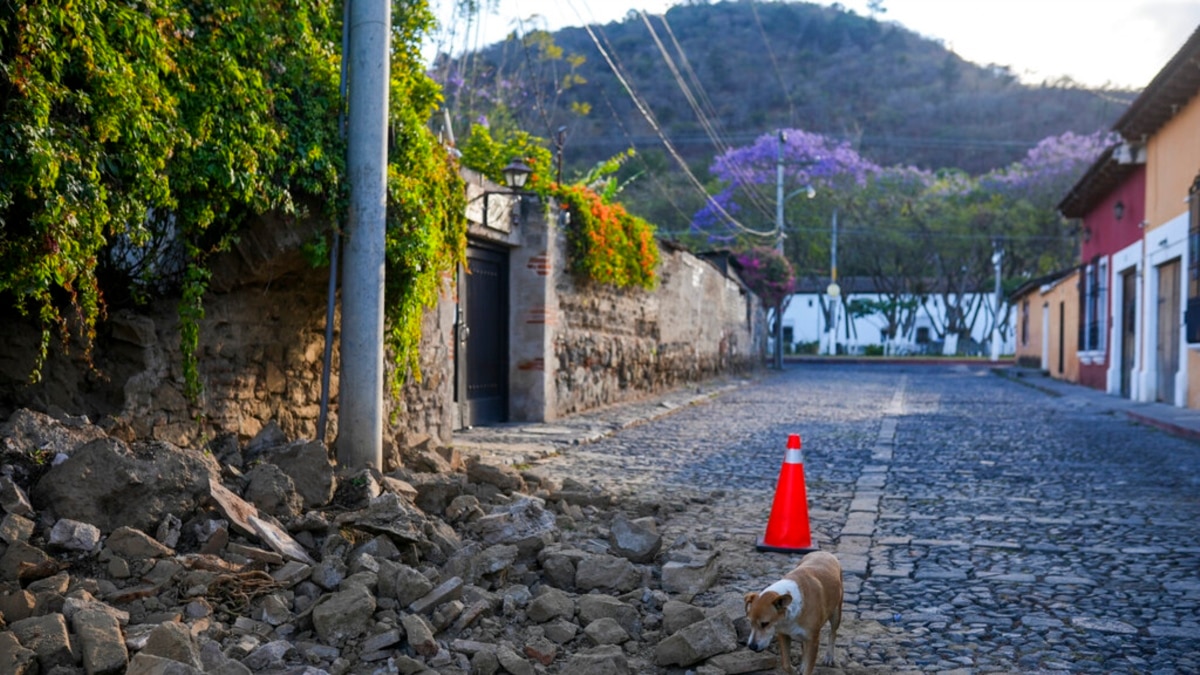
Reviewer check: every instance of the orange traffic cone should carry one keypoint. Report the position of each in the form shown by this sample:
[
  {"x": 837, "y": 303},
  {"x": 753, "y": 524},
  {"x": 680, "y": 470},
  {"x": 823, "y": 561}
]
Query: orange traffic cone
[{"x": 787, "y": 530}]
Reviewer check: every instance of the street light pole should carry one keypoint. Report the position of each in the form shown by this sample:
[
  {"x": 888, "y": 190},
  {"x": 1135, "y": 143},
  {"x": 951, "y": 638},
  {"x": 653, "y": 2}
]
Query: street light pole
[
  {"x": 779, "y": 246},
  {"x": 834, "y": 291},
  {"x": 997, "y": 257},
  {"x": 360, "y": 397}
]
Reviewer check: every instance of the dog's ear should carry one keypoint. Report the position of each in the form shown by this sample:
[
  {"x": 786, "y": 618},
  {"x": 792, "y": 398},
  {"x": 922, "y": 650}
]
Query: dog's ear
[
  {"x": 750, "y": 598},
  {"x": 782, "y": 602}
]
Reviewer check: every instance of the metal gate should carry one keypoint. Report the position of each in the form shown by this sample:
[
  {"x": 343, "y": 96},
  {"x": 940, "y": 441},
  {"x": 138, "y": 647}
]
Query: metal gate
[{"x": 482, "y": 359}]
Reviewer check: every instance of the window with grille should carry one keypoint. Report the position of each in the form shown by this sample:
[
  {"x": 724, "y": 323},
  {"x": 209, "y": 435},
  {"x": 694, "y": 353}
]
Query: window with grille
[{"x": 1095, "y": 305}]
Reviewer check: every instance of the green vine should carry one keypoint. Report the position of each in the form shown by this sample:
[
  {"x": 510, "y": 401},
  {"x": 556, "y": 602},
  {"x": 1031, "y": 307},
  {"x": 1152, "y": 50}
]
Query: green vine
[{"x": 123, "y": 125}]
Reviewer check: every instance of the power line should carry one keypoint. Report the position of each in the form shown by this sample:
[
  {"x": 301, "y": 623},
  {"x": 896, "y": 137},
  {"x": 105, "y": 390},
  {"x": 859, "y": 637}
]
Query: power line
[
  {"x": 649, "y": 117},
  {"x": 755, "y": 198}
]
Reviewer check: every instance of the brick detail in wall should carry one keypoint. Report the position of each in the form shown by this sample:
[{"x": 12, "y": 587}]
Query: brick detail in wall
[
  {"x": 540, "y": 316},
  {"x": 540, "y": 264},
  {"x": 538, "y": 364}
]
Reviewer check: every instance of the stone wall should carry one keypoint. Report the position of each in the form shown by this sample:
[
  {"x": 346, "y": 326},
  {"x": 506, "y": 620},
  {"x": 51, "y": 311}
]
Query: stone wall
[
  {"x": 614, "y": 345},
  {"x": 574, "y": 346},
  {"x": 260, "y": 359}
]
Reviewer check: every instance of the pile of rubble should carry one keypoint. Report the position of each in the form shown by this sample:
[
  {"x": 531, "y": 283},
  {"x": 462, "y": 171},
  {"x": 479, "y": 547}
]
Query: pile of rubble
[{"x": 145, "y": 558}]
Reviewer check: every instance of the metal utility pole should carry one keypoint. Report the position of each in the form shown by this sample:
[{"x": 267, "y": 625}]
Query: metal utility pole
[
  {"x": 997, "y": 257},
  {"x": 834, "y": 291},
  {"x": 779, "y": 246},
  {"x": 360, "y": 423}
]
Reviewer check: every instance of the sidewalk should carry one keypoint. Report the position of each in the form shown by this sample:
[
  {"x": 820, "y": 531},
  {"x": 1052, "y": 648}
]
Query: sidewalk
[
  {"x": 527, "y": 442},
  {"x": 1184, "y": 422}
]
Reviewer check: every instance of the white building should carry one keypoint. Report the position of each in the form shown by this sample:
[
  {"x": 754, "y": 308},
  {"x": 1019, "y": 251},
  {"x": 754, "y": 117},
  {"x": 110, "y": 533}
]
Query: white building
[{"x": 806, "y": 330}]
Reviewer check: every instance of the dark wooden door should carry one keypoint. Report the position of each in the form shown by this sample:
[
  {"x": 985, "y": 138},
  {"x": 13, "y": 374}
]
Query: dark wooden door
[
  {"x": 482, "y": 360},
  {"x": 1168, "y": 330},
  {"x": 1128, "y": 330}
]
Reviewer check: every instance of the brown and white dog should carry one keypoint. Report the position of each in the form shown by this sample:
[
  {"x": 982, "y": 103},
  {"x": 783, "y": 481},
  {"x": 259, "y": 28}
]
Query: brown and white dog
[{"x": 796, "y": 607}]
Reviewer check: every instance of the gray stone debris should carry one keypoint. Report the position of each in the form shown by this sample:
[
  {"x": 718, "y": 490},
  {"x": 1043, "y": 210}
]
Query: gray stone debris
[{"x": 150, "y": 559}]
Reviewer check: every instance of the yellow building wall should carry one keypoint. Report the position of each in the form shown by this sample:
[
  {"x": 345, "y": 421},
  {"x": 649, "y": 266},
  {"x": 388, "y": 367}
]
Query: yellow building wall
[
  {"x": 1064, "y": 295},
  {"x": 1172, "y": 164},
  {"x": 1029, "y": 329}
]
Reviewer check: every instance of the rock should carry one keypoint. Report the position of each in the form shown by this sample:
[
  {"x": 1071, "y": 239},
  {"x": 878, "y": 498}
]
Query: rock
[
  {"x": 101, "y": 642},
  {"x": 232, "y": 507},
  {"x": 173, "y": 641},
  {"x": 679, "y": 615},
  {"x": 715, "y": 635},
  {"x": 451, "y": 589},
  {"x": 268, "y": 437},
  {"x": 606, "y": 631},
  {"x": 14, "y": 528},
  {"x": 280, "y": 541},
  {"x": 506, "y": 478},
  {"x": 133, "y": 544},
  {"x": 541, "y": 650},
  {"x": 690, "y": 572},
  {"x": 308, "y": 464},
  {"x": 391, "y": 515},
  {"x": 551, "y": 604},
  {"x": 271, "y": 655},
  {"x": 110, "y": 485},
  {"x": 602, "y": 660},
  {"x": 513, "y": 662},
  {"x": 47, "y": 636},
  {"x": 425, "y": 460},
  {"x": 148, "y": 664},
  {"x": 33, "y": 433},
  {"x": 13, "y": 499},
  {"x": 524, "y": 523},
  {"x": 464, "y": 508},
  {"x": 744, "y": 661},
  {"x": 435, "y": 491},
  {"x": 16, "y": 605},
  {"x": 272, "y": 491},
  {"x": 607, "y": 573},
  {"x": 560, "y": 631},
  {"x": 559, "y": 566},
  {"x": 14, "y": 658},
  {"x": 496, "y": 558},
  {"x": 419, "y": 635},
  {"x": 637, "y": 540},
  {"x": 346, "y": 614},
  {"x": 382, "y": 640},
  {"x": 402, "y": 582},
  {"x": 595, "y": 606},
  {"x": 22, "y": 561}
]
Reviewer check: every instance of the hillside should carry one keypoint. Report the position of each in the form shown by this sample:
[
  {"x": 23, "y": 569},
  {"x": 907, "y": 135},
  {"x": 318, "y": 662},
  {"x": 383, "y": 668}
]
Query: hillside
[{"x": 897, "y": 96}]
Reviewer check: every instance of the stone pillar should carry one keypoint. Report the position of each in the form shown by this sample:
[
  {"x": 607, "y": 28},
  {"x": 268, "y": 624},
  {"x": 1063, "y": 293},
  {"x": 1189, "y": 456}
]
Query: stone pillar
[{"x": 534, "y": 314}]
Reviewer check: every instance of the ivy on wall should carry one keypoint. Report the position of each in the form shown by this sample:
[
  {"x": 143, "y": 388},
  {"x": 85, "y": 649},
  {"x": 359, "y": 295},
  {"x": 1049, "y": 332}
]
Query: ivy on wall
[{"x": 123, "y": 125}]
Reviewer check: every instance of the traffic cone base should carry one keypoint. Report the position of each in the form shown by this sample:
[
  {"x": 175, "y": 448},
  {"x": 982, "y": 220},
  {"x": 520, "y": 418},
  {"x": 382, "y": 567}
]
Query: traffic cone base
[{"x": 788, "y": 530}]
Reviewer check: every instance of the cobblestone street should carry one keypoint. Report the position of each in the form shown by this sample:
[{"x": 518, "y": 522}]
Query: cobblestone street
[{"x": 983, "y": 526}]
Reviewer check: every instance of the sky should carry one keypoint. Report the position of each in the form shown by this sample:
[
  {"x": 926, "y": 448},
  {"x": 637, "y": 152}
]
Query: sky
[{"x": 1121, "y": 43}]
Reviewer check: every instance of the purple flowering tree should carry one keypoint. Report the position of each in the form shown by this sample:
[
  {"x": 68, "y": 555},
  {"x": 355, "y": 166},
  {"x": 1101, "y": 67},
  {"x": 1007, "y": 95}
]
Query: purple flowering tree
[
  {"x": 749, "y": 175},
  {"x": 817, "y": 172}
]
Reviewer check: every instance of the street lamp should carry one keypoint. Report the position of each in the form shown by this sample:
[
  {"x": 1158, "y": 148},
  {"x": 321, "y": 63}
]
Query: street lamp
[
  {"x": 516, "y": 174},
  {"x": 780, "y": 200}
]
